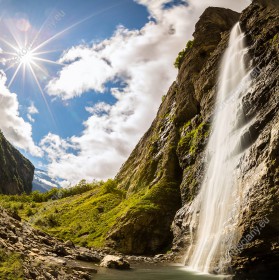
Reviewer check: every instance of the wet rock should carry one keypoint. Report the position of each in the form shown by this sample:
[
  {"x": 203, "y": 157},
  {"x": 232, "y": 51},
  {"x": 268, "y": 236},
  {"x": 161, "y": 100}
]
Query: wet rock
[
  {"x": 88, "y": 257},
  {"x": 115, "y": 262}
]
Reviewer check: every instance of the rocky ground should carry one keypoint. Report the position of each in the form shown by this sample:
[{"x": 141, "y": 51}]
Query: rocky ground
[{"x": 45, "y": 257}]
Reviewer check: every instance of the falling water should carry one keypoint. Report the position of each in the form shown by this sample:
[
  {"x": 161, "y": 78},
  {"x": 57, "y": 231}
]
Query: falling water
[{"x": 214, "y": 212}]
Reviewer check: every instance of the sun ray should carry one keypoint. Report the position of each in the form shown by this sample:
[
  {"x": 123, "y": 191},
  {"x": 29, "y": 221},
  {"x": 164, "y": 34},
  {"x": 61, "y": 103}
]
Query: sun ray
[
  {"x": 11, "y": 66},
  {"x": 39, "y": 67},
  {"x": 42, "y": 93},
  {"x": 14, "y": 36},
  {"x": 45, "y": 52},
  {"x": 9, "y": 53},
  {"x": 76, "y": 24},
  {"x": 15, "y": 73},
  {"x": 9, "y": 44},
  {"x": 48, "y": 61}
]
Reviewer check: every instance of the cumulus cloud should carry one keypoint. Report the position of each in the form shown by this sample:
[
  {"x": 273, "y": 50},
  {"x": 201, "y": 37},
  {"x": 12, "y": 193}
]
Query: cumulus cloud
[
  {"x": 32, "y": 110},
  {"x": 99, "y": 108},
  {"x": 143, "y": 61},
  {"x": 15, "y": 129}
]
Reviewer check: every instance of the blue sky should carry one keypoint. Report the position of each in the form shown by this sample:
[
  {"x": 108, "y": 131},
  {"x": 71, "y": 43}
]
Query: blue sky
[
  {"x": 100, "y": 20},
  {"x": 111, "y": 62}
]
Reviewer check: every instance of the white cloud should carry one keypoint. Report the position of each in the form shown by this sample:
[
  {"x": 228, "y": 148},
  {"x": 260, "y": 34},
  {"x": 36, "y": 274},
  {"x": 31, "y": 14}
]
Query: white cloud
[
  {"x": 143, "y": 60},
  {"x": 32, "y": 110},
  {"x": 15, "y": 129},
  {"x": 99, "y": 108}
]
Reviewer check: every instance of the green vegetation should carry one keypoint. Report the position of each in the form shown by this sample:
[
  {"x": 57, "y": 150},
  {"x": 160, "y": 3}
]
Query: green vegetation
[
  {"x": 192, "y": 138},
  {"x": 87, "y": 212},
  {"x": 10, "y": 266},
  {"x": 274, "y": 40},
  {"x": 181, "y": 54}
]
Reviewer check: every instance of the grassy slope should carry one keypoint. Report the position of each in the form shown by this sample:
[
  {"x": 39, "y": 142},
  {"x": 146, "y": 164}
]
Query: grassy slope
[{"x": 84, "y": 218}]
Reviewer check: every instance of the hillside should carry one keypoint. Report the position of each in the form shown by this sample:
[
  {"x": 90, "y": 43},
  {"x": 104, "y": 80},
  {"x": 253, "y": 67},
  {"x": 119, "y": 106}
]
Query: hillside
[{"x": 16, "y": 172}]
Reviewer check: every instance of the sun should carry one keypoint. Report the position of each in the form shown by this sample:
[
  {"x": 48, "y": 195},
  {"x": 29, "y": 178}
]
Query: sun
[
  {"x": 26, "y": 57},
  {"x": 31, "y": 55}
]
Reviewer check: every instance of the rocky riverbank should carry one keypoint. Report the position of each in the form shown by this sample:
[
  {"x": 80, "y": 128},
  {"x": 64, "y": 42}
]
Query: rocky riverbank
[{"x": 44, "y": 257}]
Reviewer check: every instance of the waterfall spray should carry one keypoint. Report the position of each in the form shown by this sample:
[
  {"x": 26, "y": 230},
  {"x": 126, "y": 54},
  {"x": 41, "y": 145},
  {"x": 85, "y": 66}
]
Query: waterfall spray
[{"x": 214, "y": 212}]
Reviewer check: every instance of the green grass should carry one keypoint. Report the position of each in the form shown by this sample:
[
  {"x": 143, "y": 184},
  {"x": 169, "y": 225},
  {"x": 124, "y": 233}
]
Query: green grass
[
  {"x": 10, "y": 266},
  {"x": 87, "y": 217},
  {"x": 84, "y": 218}
]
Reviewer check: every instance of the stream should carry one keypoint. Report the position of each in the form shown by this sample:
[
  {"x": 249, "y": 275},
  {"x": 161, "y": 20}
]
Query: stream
[{"x": 153, "y": 272}]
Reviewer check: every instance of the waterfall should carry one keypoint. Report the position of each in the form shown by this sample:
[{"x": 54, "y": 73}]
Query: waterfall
[{"x": 214, "y": 212}]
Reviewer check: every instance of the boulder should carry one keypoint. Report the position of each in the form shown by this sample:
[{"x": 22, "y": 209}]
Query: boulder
[{"x": 115, "y": 262}]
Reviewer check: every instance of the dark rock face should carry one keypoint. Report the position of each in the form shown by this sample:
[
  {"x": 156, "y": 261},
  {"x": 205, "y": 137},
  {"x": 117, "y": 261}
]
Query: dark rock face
[
  {"x": 267, "y": 3},
  {"x": 173, "y": 148},
  {"x": 257, "y": 258},
  {"x": 16, "y": 172},
  {"x": 162, "y": 158}
]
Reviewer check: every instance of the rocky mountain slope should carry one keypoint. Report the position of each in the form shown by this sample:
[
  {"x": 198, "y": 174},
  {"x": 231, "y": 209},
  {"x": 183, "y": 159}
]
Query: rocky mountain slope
[
  {"x": 16, "y": 172},
  {"x": 258, "y": 257},
  {"x": 164, "y": 158},
  {"x": 171, "y": 153},
  {"x": 260, "y": 163}
]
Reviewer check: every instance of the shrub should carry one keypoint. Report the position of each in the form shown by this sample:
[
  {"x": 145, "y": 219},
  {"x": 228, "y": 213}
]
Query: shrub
[
  {"x": 181, "y": 54},
  {"x": 29, "y": 212},
  {"x": 52, "y": 220}
]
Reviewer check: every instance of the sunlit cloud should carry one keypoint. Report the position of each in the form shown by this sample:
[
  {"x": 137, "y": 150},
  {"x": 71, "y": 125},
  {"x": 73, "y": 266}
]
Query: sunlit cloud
[
  {"x": 143, "y": 61},
  {"x": 15, "y": 129},
  {"x": 31, "y": 110}
]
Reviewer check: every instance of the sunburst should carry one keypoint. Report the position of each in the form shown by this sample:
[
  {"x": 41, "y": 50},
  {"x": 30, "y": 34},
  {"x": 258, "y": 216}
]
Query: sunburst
[
  {"x": 22, "y": 56},
  {"x": 31, "y": 55}
]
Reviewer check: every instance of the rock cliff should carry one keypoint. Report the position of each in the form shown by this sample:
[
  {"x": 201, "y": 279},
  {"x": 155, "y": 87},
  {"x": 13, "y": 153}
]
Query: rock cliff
[
  {"x": 172, "y": 151},
  {"x": 258, "y": 255},
  {"x": 16, "y": 172},
  {"x": 163, "y": 159}
]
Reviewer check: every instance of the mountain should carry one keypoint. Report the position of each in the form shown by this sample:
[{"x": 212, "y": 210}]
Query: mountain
[
  {"x": 42, "y": 182},
  {"x": 147, "y": 209},
  {"x": 164, "y": 158},
  {"x": 16, "y": 172},
  {"x": 169, "y": 159}
]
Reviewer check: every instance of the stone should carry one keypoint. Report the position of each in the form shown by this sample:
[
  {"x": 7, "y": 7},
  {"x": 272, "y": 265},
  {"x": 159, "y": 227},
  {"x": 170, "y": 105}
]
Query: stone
[
  {"x": 115, "y": 262},
  {"x": 38, "y": 258},
  {"x": 88, "y": 257}
]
